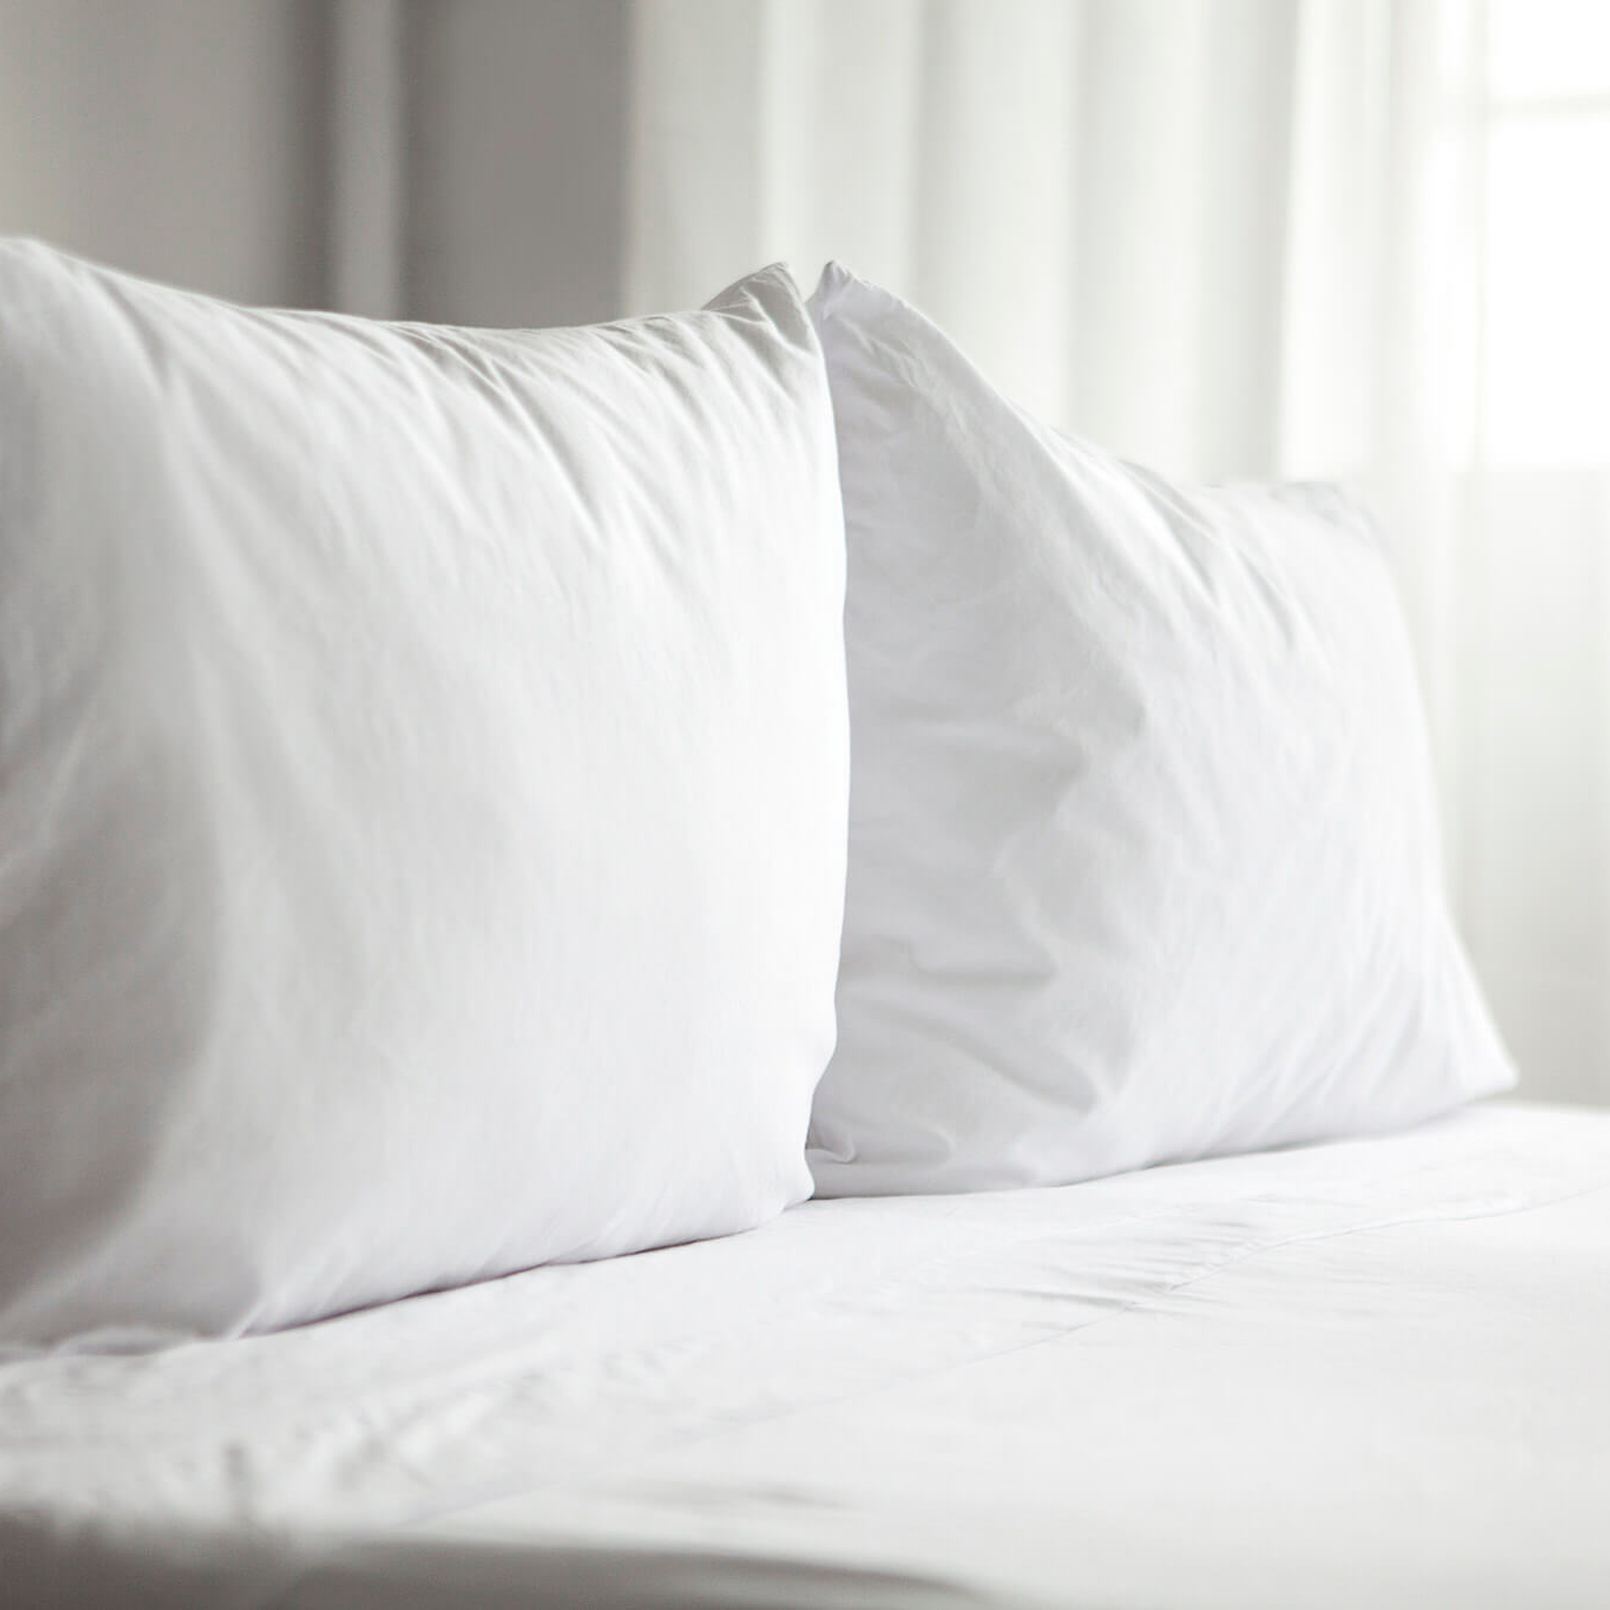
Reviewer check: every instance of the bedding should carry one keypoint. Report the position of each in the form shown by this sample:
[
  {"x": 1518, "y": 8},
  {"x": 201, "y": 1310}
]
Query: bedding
[
  {"x": 1143, "y": 854},
  {"x": 1364, "y": 1372},
  {"x": 422, "y": 795}
]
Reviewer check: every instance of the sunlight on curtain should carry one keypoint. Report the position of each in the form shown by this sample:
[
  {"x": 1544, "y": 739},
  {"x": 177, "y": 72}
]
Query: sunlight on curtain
[{"x": 1356, "y": 238}]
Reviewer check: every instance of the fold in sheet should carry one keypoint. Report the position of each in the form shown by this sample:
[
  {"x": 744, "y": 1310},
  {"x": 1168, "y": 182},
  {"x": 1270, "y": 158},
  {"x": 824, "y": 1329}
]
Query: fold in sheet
[{"x": 1364, "y": 1372}]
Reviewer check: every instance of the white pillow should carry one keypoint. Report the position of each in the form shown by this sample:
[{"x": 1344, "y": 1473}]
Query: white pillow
[
  {"x": 422, "y": 795},
  {"x": 1143, "y": 860}
]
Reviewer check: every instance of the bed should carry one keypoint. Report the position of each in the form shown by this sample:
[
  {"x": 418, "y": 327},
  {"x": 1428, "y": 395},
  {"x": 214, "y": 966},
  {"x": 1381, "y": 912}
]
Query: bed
[
  {"x": 1368, "y": 1372},
  {"x": 571, "y": 903}
]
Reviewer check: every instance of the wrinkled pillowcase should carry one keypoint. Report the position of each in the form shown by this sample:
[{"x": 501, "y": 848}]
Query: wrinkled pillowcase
[
  {"x": 422, "y": 791},
  {"x": 1143, "y": 858}
]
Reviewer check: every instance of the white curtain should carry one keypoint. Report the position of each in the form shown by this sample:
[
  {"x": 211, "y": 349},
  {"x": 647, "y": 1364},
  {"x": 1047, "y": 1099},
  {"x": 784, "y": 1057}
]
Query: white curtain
[{"x": 1351, "y": 238}]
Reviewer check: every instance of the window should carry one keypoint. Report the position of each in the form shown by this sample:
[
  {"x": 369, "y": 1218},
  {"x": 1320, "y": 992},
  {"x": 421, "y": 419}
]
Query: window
[{"x": 1546, "y": 227}]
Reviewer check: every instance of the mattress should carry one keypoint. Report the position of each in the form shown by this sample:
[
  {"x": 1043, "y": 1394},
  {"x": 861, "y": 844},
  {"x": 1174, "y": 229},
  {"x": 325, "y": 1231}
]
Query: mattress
[{"x": 1374, "y": 1372}]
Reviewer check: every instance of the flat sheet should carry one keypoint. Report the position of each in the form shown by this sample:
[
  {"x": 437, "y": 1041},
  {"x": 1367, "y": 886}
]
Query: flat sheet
[{"x": 1376, "y": 1372}]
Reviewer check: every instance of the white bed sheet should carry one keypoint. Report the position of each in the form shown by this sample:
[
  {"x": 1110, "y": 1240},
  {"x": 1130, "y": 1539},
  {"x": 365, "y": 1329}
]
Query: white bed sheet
[{"x": 1376, "y": 1372}]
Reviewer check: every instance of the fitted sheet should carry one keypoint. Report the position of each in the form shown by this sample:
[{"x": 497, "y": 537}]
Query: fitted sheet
[{"x": 1369, "y": 1372}]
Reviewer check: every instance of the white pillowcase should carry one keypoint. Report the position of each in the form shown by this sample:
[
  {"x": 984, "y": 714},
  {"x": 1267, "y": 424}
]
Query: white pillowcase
[
  {"x": 423, "y": 776},
  {"x": 1143, "y": 859}
]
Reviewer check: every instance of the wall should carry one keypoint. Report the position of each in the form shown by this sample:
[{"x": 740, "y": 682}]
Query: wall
[
  {"x": 516, "y": 148},
  {"x": 459, "y": 160},
  {"x": 181, "y": 139}
]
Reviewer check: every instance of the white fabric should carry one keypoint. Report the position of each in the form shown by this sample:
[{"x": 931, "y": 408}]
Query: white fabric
[
  {"x": 1347, "y": 239},
  {"x": 1143, "y": 855},
  {"x": 1368, "y": 1373},
  {"x": 422, "y": 795}
]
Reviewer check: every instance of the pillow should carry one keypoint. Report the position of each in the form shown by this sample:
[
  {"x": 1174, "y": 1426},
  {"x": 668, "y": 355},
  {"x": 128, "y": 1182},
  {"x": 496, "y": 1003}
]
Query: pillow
[
  {"x": 1143, "y": 863},
  {"x": 422, "y": 795}
]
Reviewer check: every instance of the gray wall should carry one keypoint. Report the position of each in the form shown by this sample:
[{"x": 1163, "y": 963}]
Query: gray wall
[
  {"x": 459, "y": 160},
  {"x": 177, "y": 138},
  {"x": 516, "y": 137}
]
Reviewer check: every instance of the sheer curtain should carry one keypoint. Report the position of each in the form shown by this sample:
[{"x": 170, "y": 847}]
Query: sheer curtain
[{"x": 1353, "y": 238}]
